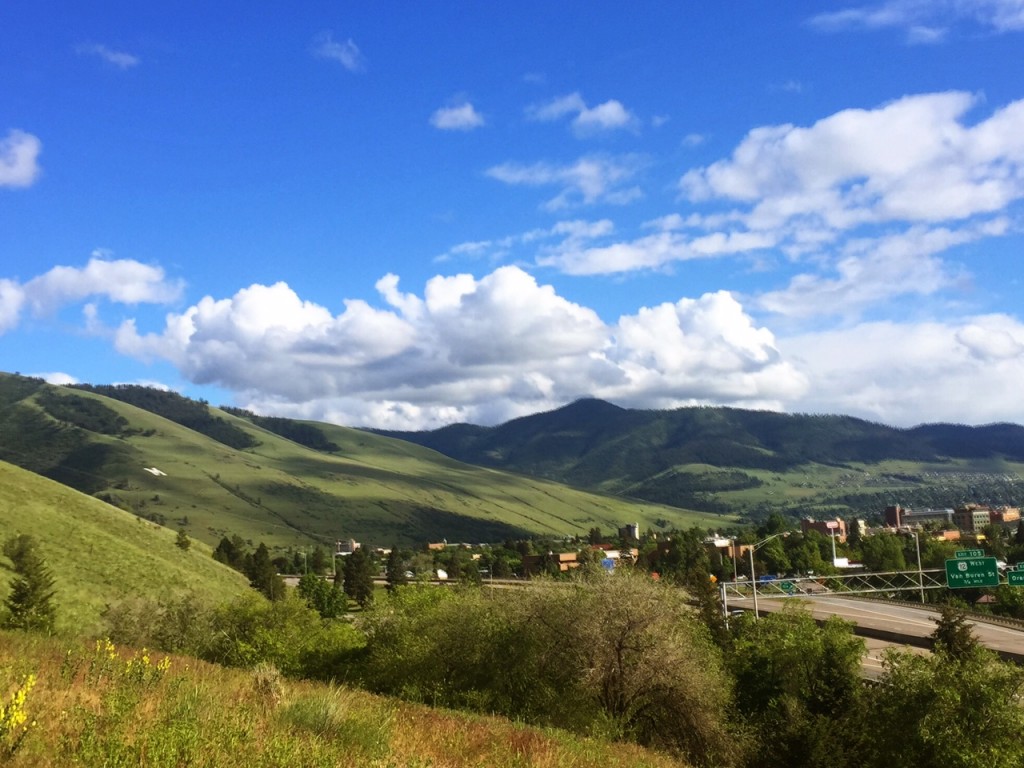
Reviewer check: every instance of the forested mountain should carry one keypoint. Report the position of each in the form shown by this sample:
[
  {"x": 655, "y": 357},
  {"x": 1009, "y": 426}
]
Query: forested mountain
[{"x": 695, "y": 456}]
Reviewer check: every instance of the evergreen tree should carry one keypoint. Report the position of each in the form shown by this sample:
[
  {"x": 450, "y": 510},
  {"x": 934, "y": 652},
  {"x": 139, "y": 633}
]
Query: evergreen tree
[
  {"x": 359, "y": 577},
  {"x": 262, "y": 574},
  {"x": 230, "y": 552},
  {"x": 30, "y": 602},
  {"x": 953, "y": 637},
  {"x": 396, "y": 570},
  {"x": 318, "y": 560},
  {"x": 183, "y": 542}
]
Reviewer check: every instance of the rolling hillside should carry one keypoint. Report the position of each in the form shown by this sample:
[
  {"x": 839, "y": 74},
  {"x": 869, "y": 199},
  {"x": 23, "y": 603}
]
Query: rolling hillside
[
  {"x": 100, "y": 554},
  {"x": 218, "y": 473},
  {"x": 747, "y": 462}
]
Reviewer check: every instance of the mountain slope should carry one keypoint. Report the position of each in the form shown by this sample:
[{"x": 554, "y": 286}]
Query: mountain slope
[
  {"x": 100, "y": 554},
  {"x": 274, "y": 489}
]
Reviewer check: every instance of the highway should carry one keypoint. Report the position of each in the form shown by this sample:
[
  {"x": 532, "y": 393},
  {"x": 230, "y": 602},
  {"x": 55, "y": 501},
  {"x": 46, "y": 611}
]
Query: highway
[{"x": 898, "y": 623}]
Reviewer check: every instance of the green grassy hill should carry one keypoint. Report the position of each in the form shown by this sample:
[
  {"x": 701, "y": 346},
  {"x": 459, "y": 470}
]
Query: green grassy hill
[
  {"x": 224, "y": 474},
  {"x": 100, "y": 554}
]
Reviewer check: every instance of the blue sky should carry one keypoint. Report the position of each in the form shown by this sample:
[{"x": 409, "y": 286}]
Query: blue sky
[{"x": 408, "y": 214}]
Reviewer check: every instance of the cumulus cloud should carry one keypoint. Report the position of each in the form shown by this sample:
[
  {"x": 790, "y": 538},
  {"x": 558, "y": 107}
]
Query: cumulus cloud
[
  {"x": 461, "y": 117},
  {"x": 592, "y": 179},
  {"x": 466, "y": 349},
  {"x": 911, "y": 160},
  {"x": 964, "y": 371},
  {"x": 124, "y": 281},
  {"x": 19, "y": 152},
  {"x": 346, "y": 53},
  {"x": 586, "y": 121},
  {"x": 119, "y": 59},
  {"x": 925, "y": 22}
]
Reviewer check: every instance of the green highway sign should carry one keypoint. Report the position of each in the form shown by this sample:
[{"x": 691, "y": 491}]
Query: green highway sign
[
  {"x": 969, "y": 553},
  {"x": 787, "y": 586},
  {"x": 974, "y": 572},
  {"x": 1016, "y": 578}
]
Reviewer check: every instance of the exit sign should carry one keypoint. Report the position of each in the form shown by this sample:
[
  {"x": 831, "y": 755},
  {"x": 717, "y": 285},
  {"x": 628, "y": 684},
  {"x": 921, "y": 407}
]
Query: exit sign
[
  {"x": 973, "y": 572},
  {"x": 965, "y": 553},
  {"x": 1015, "y": 578}
]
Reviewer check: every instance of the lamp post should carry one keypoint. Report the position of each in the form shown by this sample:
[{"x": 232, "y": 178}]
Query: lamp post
[
  {"x": 920, "y": 573},
  {"x": 753, "y": 576}
]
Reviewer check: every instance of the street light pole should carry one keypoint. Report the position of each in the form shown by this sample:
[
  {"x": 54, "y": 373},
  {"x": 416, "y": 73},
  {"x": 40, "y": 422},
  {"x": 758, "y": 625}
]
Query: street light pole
[
  {"x": 753, "y": 576},
  {"x": 920, "y": 573}
]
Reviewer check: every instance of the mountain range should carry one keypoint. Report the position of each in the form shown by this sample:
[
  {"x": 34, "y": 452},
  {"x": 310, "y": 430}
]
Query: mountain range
[
  {"x": 220, "y": 472},
  {"x": 746, "y": 462}
]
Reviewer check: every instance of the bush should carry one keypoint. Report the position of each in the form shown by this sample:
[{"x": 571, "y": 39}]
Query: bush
[
  {"x": 244, "y": 633},
  {"x": 286, "y": 633},
  {"x": 619, "y": 656}
]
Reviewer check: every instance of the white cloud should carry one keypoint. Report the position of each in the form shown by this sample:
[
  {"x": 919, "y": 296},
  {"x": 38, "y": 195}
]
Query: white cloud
[
  {"x": 567, "y": 234},
  {"x": 592, "y": 179},
  {"x": 124, "y": 281},
  {"x": 461, "y": 117},
  {"x": 650, "y": 252},
  {"x": 57, "y": 378},
  {"x": 119, "y": 59},
  {"x": 12, "y": 299},
  {"x": 482, "y": 349},
  {"x": 965, "y": 371},
  {"x": 876, "y": 270},
  {"x": 911, "y": 160},
  {"x": 346, "y": 53},
  {"x": 19, "y": 152},
  {"x": 909, "y": 179},
  {"x": 926, "y": 21},
  {"x": 608, "y": 116}
]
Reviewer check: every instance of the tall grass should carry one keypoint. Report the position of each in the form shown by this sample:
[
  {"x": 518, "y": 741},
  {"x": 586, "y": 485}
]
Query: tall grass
[{"x": 102, "y": 705}]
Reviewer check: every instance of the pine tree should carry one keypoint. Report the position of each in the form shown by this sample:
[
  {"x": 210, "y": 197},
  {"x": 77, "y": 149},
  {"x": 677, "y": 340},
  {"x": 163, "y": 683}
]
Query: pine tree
[
  {"x": 30, "y": 602},
  {"x": 396, "y": 570},
  {"x": 262, "y": 574},
  {"x": 183, "y": 542},
  {"x": 359, "y": 577},
  {"x": 953, "y": 637}
]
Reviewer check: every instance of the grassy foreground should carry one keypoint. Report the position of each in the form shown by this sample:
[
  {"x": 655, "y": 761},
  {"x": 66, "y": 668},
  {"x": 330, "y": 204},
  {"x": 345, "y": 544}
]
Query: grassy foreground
[{"x": 98, "y": 705}]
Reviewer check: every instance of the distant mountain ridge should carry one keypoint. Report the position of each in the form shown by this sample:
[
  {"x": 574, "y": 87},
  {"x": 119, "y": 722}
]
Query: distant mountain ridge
[
  {"x": 594, "y": 444},
  {"x": 757, "y": 439}
]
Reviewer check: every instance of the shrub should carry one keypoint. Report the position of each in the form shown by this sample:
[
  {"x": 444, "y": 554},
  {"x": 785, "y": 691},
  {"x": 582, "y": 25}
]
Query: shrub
[{"x": 620, "y": 656}]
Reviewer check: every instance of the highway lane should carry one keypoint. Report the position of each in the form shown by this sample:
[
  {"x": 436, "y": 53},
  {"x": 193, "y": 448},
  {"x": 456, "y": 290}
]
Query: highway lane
[{"x": 895, "y": 622}]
